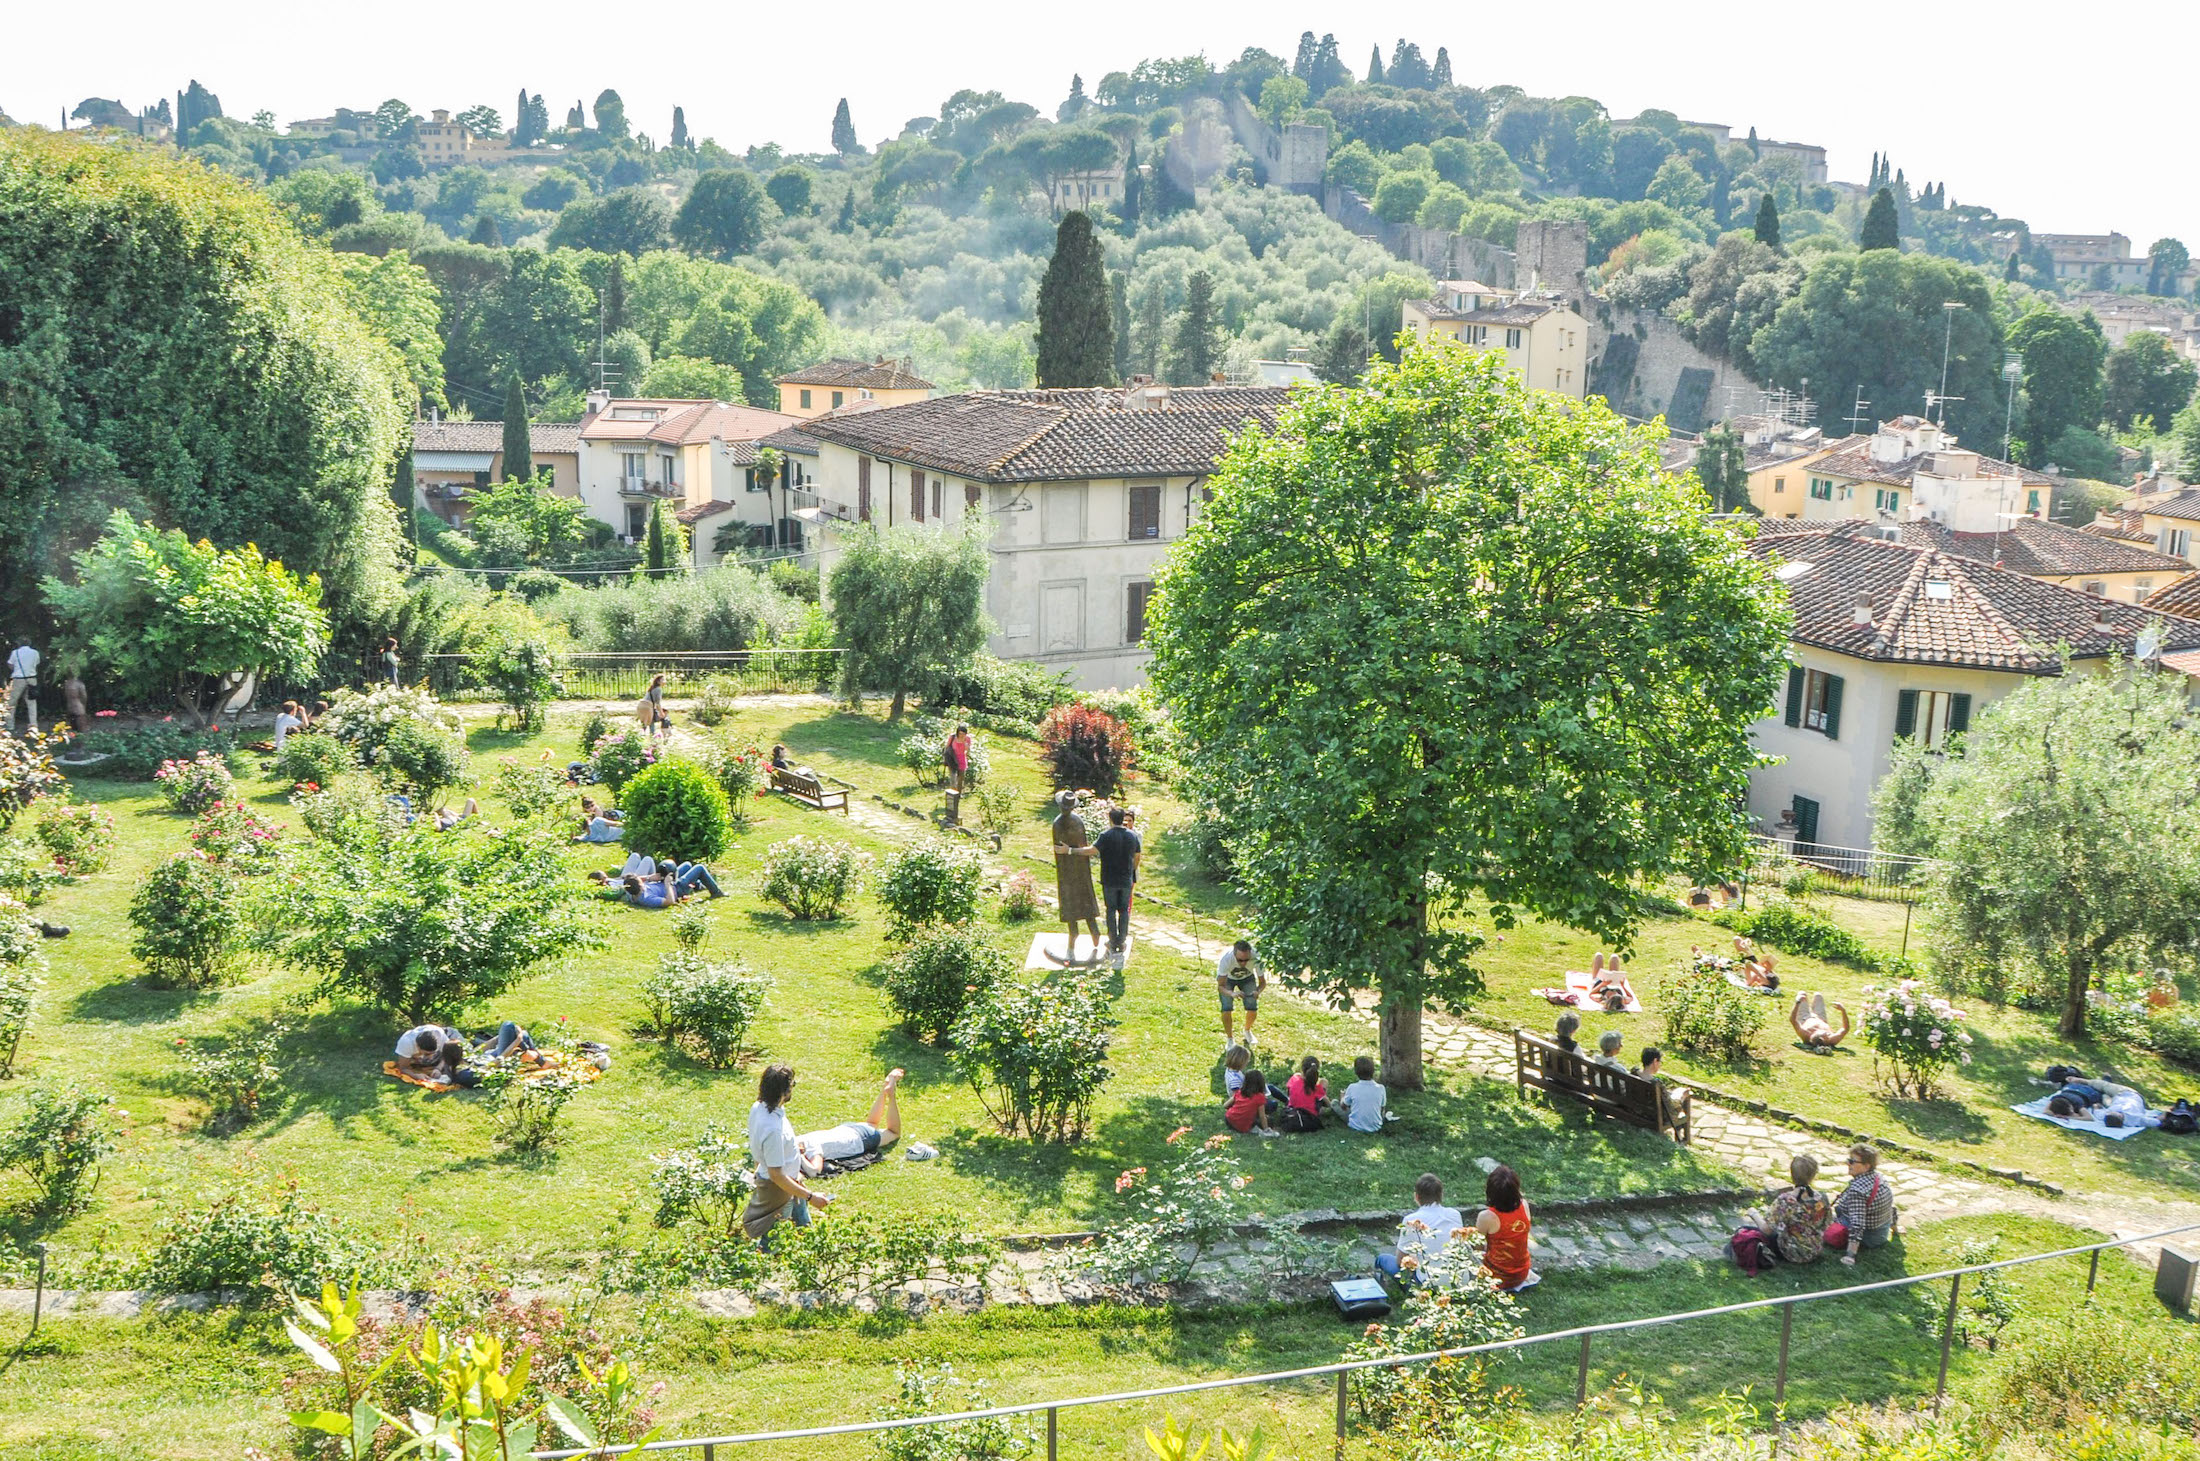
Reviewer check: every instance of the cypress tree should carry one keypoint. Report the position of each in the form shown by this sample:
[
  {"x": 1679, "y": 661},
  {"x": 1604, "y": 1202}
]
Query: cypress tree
[
  {"x": 1151, "y": 323},
  {"x": 1197, "y": 347},
  {"x": 519, "y": 451},
  {"x": 401, "y": 497},
  {"x": 1119, "y": 315},
  {"x": 1768, "y": 222},
  {"x": 486, "y": 233},
  {"x": 844, "y": 130},
  {"x": 2015, "y": 264},
  {"x": 680, "y": 137},
  {"x": 577, "y": 119},
  {"x": 1440, "y": 73},
  {"x": 1076, "y": 325},
  {"x": 1880, "y": 228},
  {"x": 846, "y": 221},
  {"x": 1328, "y": 67},
  {"x": 614, "y": 296},
  {"x": 1342, "y": 358},
  {"x": 1302, "y": 65},
  {"x": 519, "y": 121},
  {"x": 1756, "y": 149},
  {"x": 1134, "y": 192},
  {"x": 655, "y": 556},
  {"x": 1375, "y": 66}
]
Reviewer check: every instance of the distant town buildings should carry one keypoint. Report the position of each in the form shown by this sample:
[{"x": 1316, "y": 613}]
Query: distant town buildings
[
  {"x": 1544, "y": 341},
  {"x": 831, "y": 384}
]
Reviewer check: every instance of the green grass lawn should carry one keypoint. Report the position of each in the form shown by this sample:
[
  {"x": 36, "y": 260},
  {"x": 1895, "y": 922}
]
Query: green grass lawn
[
  {"x": 398, "y": 1160},
  {"x": 202, "y": 1386},
  {"x": 1972, "y": 1119}
]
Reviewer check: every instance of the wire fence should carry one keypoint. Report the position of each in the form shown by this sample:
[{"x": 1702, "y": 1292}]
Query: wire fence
[
  {"x": 610, "y": 675},
  {"x": 1585, "y": 1336},
  {"x": 1853, "y": 872}
]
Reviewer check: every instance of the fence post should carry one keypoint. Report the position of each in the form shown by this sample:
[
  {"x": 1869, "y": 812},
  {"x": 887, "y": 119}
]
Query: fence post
[
  {"x": 2093, "y": 1271},
  {"x": 1907, "y": 905},
  {"x": 1581, "y": 1377},
  {"x": 710, "y": 1453},
  {"x": 1343, "y": 1378},
  {"x": 1947, "y": 1338},
  {"x": 1051, "y": 1433},
  {"x": 38, "y": 1295},
  {"x": 1780, "y": 1380}
]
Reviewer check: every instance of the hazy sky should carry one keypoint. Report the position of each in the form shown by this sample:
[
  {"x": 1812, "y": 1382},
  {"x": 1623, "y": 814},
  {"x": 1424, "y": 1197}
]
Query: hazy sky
[{"x": 2015, "y": 112}]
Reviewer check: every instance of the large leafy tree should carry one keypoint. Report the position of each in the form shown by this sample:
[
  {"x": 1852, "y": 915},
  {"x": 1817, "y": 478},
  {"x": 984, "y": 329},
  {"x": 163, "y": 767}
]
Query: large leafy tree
[
  {"x": 2068, "y": 830},
  {"x": 510, "y": 311},
  {"x": 398, "y": 301},
  {"x": 2166, "y": 259},
  {"x": 624, "y": 221},
  {"x": 910, "y": 606},
  {"x": 422, "y": 923},
  {"x": 723, "y": 214},
  {"x": 1195, "y": 349},
  {"x": 155, "y": 615},
  {"x": 1441, "y": 640},
  {"x": 169, "y": 345},
  {"x": 2063, "y": 354},
  {"x": 1076, "y": 320},
  {"x": 2146, "y": 380},
  {"x": 520, "y": 521}
]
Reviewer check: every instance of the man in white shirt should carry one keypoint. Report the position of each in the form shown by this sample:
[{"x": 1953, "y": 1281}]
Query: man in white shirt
[
  {"x": 432, "y": 1052},
  {"x": 22, "y": 683},
  {"x": 1239, "y": 978},
  {"x": 1364, "y": 1099},
  {"x": 1426, "y": 1230}
]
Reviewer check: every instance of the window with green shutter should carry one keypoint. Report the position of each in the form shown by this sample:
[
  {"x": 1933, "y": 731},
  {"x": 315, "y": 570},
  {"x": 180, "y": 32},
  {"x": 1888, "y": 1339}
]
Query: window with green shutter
[
  {"x": 1821, "y": 702},
  {"x": 1905, "y": 714},
  {"x": 1795, "y": 695}
]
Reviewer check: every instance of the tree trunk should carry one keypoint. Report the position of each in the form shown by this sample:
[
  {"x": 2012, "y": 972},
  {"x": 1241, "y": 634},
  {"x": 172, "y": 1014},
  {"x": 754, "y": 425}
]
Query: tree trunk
[
  {"x": 894, "y": 712},
  {"x": 1399, "y": 1045},
  {"x": 2072, "y": 1023}
]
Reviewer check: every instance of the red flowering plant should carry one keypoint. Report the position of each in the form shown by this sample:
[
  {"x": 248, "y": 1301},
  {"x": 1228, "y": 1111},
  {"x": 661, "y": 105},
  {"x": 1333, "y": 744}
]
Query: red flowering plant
[
  {"x": 235, "y": 836},
  {"x": 192, "y": 786},
  {"x": 1184, "y": 1211}
]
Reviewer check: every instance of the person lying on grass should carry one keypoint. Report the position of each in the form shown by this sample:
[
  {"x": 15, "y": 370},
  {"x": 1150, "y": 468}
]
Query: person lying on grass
[
  {"x": 879, "y": 1129},
  {"x": 1811, "y": 1025},
  {"x": 2085, "y": 1098},
  {"x": 598, "y": 823},
  {"x": 431, "y": 1052}
]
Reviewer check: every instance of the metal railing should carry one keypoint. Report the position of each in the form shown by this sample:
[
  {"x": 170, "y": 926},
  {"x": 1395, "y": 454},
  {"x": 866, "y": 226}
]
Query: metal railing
[
  {"x": 1855, "y": 872},
  {"x": 610, "y": 675},
  {"x": 1585, "y": 1334}
]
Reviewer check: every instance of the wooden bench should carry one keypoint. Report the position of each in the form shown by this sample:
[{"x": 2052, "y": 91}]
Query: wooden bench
[
  {"x": 1645, "y": 1103},
  {"x": 809, "y": 791}
]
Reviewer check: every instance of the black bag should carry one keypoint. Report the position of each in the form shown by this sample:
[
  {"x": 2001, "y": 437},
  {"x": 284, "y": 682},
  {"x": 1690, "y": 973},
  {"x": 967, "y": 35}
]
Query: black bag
[
  {"x": 1297, "y": 1121},
  {"x": 2180, "y": 1119},
  {"x": 1359, "y": 1299}
]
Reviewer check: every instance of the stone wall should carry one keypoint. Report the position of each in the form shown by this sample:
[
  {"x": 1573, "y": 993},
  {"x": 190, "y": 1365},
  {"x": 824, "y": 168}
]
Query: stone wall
[
  {"x": 1444, "y": 254},
  {"x": 1293, "y": 160},
  {"x": 1643, "y": 365}
]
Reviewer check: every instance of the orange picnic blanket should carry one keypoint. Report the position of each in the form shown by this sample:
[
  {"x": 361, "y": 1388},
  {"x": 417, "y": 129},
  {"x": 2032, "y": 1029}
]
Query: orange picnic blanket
[{"x": 545, "y": 1062}]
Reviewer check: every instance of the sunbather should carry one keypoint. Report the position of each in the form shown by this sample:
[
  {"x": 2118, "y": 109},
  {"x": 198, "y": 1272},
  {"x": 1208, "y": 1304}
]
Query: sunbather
[
  {"x": 599, "y": 823},
  {"x": 431, "y": 1052},
  {"x": 879, "y": 1129},
  {"x": 2093, "y": 1099},
  {"x": 1608, "y": 986},
  {"x": 1811, "y": 1025},
  {"x": 446, "y": 819}
]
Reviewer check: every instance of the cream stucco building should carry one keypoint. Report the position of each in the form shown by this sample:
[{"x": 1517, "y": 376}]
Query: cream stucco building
[
  {"x": 833, "y": 384},
  {"x": 452, "y": 460},
  {"x": 635, "y": 453},
  {"x": 1543, "y": 340}
]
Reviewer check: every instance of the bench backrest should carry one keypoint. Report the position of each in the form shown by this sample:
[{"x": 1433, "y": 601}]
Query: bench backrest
[
  {"x": 796, "y": 781},
  {"x": 1645, "y": 1102}
]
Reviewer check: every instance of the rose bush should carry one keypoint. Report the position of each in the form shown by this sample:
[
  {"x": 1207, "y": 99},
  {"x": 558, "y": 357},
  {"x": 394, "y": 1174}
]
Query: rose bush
[
  {"x": 80, "y": 836},
  {"x": 1917, "y": 1035},
  {"x": 812, "y": 877},
  {"x": 192, "y": 786}
]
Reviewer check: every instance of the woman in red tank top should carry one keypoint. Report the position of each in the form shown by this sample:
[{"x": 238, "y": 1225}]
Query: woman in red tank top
[{"x": 1504, "y": 1225}]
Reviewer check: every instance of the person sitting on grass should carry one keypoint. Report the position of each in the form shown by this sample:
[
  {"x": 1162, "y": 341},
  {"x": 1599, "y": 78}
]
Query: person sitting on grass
[
  {"x": 1247, "y": 1112},
  {"x": 1866, "y": 1206},
  {"x": 431, "y": 1052},
  {"x": 1425, "y": 1231},
  {"x": 780, "y": 1194},
  {"x": 1608, "y": 1047},
  {"x": 1811, "y": 1025},
  {"x": 1363, "y": 1100},
  {"x": 1235, "y": 1062},
  {"x": 598, "y": 823},
  {"x": 1305, "y": 1097},
  {"x": 1796, "y": 1221},
  {"x": 1568, "y": 1023},
  {"x": 1504, "y": 1224},
  {"x": 879, "y": 1129}
]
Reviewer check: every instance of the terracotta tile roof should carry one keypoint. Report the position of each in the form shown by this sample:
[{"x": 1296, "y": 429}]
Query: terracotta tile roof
[
  {"x": 477, "y": 436},
  {"x": 868, "y": 375},
  {"x": 1773, "y": 527},
  {"x": 681, "y": 423},
  {"x": 1521, "y": 312},
  {"x": 1031, "y": 436},
  {"x": 2184, "y": 506},
  {"x": 1857, "y": 462},
  {"x": 701, "y": 510},
  {"x": 2178, "y": 596},
  {"x": 2127, "y": 523},
  {"x": 1931, "y": 607},
  {"x": 2041, "y": 549},
  {"x": 792, "y": 438}
]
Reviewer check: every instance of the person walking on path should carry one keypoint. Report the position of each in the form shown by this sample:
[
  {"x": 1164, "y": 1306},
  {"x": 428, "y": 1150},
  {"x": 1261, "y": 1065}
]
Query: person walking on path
[
  {"x": 651, "y": 712},
  {"x": 390, "y": 658},
  {"x": 22, "y": 684},
  {"x": 1073, "y": 854},
  {"x": 1239, "y": 978},
  {"x": 958, "y": 759},
  {"x": 1119, "y": 853}
]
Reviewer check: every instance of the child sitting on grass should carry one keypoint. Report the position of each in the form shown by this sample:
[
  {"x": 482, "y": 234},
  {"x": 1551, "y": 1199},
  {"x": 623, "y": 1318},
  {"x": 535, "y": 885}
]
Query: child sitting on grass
[
  {"x": 1363, "y": 1100},
  {"x": 1247, "y": 1112}
]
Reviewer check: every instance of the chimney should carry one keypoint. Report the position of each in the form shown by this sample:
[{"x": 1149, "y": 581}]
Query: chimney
[
  {"x": 1217, "y": 378},
  {"x": 1146, "y": 396},
  {"x": 598, "y": 400},
  {"x": 1867, "y": 609}
]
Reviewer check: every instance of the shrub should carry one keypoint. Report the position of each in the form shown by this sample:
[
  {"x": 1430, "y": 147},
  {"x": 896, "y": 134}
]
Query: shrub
[
  {"x": 363, "y": 720},
  {"x": 1918, "y": 1035},
  {"x": 1199, "y": 1202},
  {"x": 351, "y": 811},
  {"x": 527, "y": 1102},
  {"x": 312, "y": 756},
  {"x": 236, "y": 837},
  {"x": 235, "y": 1070},
  {"x": 187, "y": 922},
  {"x": 527, "y": 790},
  {"x": 27, "y": 773},
  {"x": 690, "y": 926},
  {"x": 793, "y": 580},
  {"x": 80, "y": 836},
  {"x": 1020, "y": 898},
  {"x": 522, "y": 669},
  {"x": 675, "y": 809},
  {"x": 1705, "y": 1015},
  {"x": 707, "y": 1182},
  {"x": 708, "y": 1007},
  {"x": 812, "y": 877},
  {"x": 741, "y": 775},
  {"x": 928, "y": 1389},
  {"x": 931, "y": 882},
  {"x": 1086, "y": 748},
  {"x": 998, "y": 807},
  {"x": 2176, "y": 1033},
  {"x": 932, "y": 981},
  {"x": 1036, "y": 1053},
  {"x": 134, "y": 755},
  {"x": 2063, "y": 1369},
  {"x": 865, "y": 1253},
  {"x": 1021, "y": 690},
  {"x": 425, "y": 759},
  {"x": 63, "y": 1137},
  {"x": 715, "y": 699},
  {"x": 22, "y": 974},
  {"x": 593, "y": 730},
  {"x": 1202, "y": 837},
  {"x": 620, "y": 757},
  {"x": 192, "y": 786},
  {"x": 27, "y": 872},
  {"x": 1797, "y": 928},
  {"x": 279, "y": 1243},
  {"x": 1435, "y": 1397}
]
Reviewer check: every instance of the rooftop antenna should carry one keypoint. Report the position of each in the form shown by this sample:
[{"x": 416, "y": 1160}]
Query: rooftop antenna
[
  {"x": 1858, "y": 414},
  {"x": 2012, "y": 370},
  {"x": 1948, "y": 308}
]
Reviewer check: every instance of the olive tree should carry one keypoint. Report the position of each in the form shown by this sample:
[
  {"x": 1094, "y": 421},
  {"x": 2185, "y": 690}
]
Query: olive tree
[
  {"x": 910, "y": 607},
  {"x": 1443, "y": 638}
]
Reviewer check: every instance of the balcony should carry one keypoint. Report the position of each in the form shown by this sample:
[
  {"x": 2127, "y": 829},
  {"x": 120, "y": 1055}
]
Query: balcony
[{"x": 644, "y": 487}]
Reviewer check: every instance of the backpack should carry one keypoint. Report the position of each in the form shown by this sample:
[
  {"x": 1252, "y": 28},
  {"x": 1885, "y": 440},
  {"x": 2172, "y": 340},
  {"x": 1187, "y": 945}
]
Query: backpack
[
  {"x": 2180, "y": 1119},
  {"x": 1749, "y": 1250}
]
